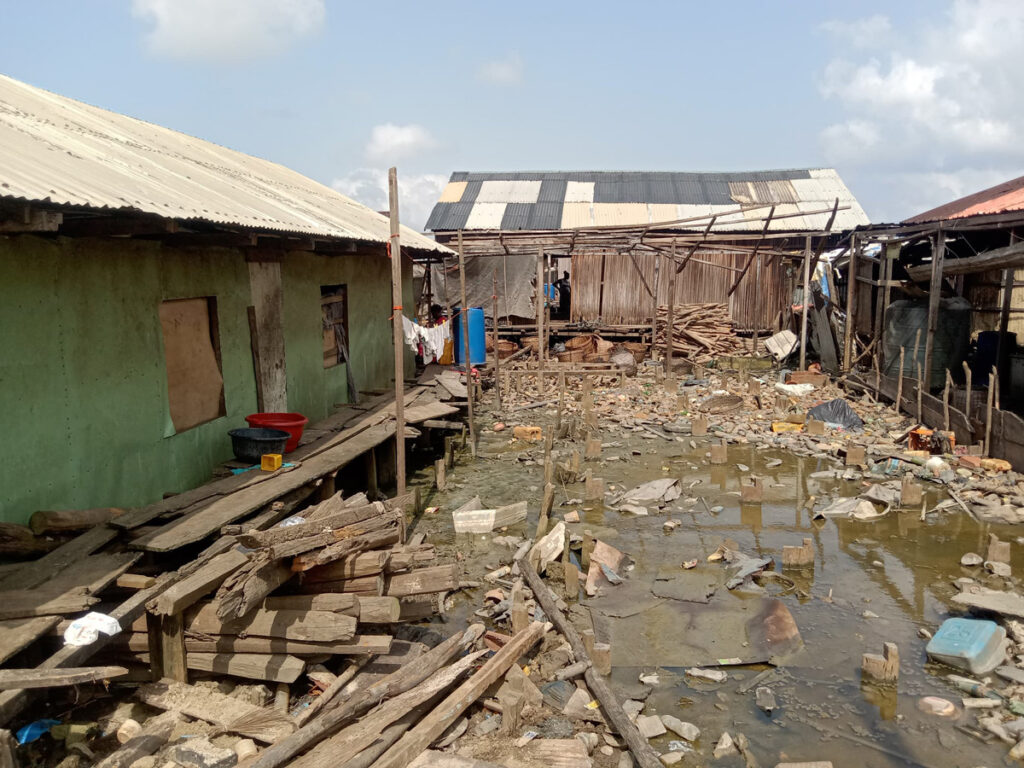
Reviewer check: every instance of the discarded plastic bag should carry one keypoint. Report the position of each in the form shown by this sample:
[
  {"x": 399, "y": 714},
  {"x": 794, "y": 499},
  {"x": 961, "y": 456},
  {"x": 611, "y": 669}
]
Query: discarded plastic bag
[
  {"x": 795, "y": 390},
  {"x": 836, "y": 411},
  {"x": 86, "y": 630}
]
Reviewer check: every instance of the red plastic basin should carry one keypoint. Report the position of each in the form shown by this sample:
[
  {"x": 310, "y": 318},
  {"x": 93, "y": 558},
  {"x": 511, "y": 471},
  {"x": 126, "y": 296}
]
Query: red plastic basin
[{"x": 292, "y": 423}]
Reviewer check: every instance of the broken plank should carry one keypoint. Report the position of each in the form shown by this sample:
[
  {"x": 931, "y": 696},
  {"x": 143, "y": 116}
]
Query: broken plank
[
  {"x": 56, "y": 678},
  {"x": 229, "y": 713},
  {"x": 340, "y": 519},
  {"x": 37, "y": 572},
  {"x": 275, "y": 667},
  {"x": 361, "y": 645},
  {"x": 63, "y": 520},
  {"x": 20, "y": 604},
  {"x": 332, "y": 601},
  {"x": 200, "y": 524},
  {"x": 18, "y": 634},
  {"x": 198, "y": 584},
  {"x": 305, "y": 626},
  {"x": 151, "y": 738}
]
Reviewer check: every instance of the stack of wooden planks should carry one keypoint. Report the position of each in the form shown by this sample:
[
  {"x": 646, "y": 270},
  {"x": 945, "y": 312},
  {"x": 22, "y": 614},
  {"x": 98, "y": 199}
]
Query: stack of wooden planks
[
  {"x": 700, "y": 332},
  {"x": 256, "y": 576}
]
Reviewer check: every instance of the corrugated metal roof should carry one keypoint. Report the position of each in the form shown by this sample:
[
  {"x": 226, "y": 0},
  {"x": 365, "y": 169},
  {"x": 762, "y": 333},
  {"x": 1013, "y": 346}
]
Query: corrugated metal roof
[
  {"x": 545, "y": 216},
  {"x": 1002, "y": 198},
  {"x": 516, "y": 216},
  {"x": 452, "y": 193},
  {"x": 58, "y": 150},
  {"x": 486, "y": 216},
  {"x": 617, "y": 197},
  {"x": 509, "y": 191}
]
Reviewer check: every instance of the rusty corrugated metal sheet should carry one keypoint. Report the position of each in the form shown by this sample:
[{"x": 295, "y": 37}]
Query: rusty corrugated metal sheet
[
  {"x": 58, "y": 150},
  {"x": 1002, "y": 198}
]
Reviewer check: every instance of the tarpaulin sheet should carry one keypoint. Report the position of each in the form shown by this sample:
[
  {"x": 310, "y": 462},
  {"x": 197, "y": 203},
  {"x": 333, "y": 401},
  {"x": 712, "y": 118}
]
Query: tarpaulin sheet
[{"x": 480, "y": 271}]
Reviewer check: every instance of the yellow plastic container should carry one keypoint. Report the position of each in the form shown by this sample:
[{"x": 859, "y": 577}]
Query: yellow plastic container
[
  {"x": 786, "y": 426},
  {"x": 269, "y": 462}
]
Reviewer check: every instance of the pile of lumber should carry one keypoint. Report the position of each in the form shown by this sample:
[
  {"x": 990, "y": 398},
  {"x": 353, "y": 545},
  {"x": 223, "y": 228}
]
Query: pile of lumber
[{"x": 700, "y": 332}]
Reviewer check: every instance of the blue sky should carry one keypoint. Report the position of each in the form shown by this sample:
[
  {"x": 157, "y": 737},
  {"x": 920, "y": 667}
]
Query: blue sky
[{"x": 913, "y": 102}]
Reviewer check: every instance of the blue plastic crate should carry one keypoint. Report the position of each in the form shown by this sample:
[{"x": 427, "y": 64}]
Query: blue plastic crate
[{"x": 973, "y": 645}]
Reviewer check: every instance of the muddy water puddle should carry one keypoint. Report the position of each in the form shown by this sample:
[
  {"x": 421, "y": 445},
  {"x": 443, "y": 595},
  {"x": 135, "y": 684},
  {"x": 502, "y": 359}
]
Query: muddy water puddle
[{"x": 871, "y": 583}]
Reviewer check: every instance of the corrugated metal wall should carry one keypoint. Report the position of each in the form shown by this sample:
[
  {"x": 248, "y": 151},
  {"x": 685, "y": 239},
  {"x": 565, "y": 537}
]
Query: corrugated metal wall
[{"x": 625, "y": 300}]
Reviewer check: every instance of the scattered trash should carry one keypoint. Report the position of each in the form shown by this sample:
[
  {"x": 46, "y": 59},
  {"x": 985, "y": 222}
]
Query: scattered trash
[
  {"x": 837, "y": 412},
  {"x": 973, "y": 645},
  {"x": 712, "y": 675},
  {"x": 86, "y": 630},
  {"x": 34, "y": 730},
  {"x": 934, "y": 705}
]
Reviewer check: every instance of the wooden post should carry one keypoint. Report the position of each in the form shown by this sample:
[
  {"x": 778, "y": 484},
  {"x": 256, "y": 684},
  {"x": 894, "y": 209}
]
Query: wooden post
[
  {"x": 920, "y": 392},
  {"x": 671, "y": 313},
  {"x": 967, "y": 404},
  {"x": 561, "y": 401},
  {"x": 807, "y": 297},
  {"x": 757, "y": 295},
  {"x": 1004, "y": 321},
  {"x": 497, "y": 365},
  {"x": 172, "y": 642},
  {"x": 899, "y": 380},
  {"x": 934, "y": 295},
  {"x": 945, "y": 402},
  {"x": 541, "y": 301},
  {"x": 504, "y": 273},
  {"x": 654, "y": 302},
  {"x": 465, "y": 348},
  {"x": 395, "y": 251},
  {"x": 851, "y": 298},
  {"x": 988, "y": 411}
]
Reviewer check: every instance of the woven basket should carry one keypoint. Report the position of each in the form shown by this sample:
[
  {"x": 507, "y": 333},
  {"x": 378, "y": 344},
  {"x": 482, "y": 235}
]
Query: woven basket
[
  {"x": 506, "y": 348},
  {"x": 601, "y": 346},
  {"x": 597, "y": 357},
  {"x": 571, "y": 356},
  {"x": 532, "y": 343},
  {"x": 584, "y": 344}
]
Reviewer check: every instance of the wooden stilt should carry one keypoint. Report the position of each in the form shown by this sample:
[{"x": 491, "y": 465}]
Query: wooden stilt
[
  {"x": 967, "y": 377},
  {"x": 899, "y": 381},
  {"x": 671, "y": 310},
  {"x": 465, "y": 346},
  {"x": 395, "y": 251},
  {"x": 172, "y": 642},
  {"x": 497, "y": 364},
  {"x": 945, "y": 402},
  {"x": 806, "y": 299},
  {"x": 988, "y": 411},
  {"x": 851, "y": 305}
]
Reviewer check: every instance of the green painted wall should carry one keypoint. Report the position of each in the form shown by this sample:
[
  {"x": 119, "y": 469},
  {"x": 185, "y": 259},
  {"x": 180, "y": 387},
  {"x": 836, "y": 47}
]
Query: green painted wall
[
  {"x": 312, "y": 389},
  {"x": 83, "y": 388}
]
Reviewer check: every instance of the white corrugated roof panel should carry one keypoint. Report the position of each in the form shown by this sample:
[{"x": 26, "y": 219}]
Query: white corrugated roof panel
[
  {"x": 486, "y": 216},
  {"x": 661, "y": 212},
  {"x": 620, "y": 214},
  {"x": 575, "y": 215},
  {"x": 508, "y": 192},
  {"x": 58, "y": 150},
  {"x": 579, "y": 192}
]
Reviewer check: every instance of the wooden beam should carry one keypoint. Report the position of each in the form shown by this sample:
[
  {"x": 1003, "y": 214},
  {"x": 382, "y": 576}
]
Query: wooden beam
[
  {"x": 467, "y": 360},
  {"x": 934, "y": 296},
  {"x": 398, "y": 333},
  {"x": 806, "y": 302},
  {"x": 118, "y": 226},
  {"x": 268, "y": 303},
  {"x": 851, "y": 308},
  {"x": 32, "y": 220},
  {"x": 57, "y": 678},
  {"x": 1010, "y": 257}
]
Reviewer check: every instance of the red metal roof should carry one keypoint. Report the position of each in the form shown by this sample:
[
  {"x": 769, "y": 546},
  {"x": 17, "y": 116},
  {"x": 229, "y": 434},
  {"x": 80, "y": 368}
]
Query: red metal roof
[{"x": 1008, "y": 196}]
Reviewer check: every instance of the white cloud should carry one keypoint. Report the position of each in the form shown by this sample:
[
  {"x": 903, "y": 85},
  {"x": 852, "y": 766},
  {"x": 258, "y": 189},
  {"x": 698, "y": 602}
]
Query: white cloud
[
  {"x": 940, "y": 111},
  {"x": 870, "y": 32},
  {"x": 504, "y": 71},
  {"x": 227, "y": 30},
  {"x": 390, "y": 143},
  {"x": 417, "y": 193}
]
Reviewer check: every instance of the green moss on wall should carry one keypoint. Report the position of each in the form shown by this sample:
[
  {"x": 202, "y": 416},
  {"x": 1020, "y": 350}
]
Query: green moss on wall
[{"x": 83, "y": 387}]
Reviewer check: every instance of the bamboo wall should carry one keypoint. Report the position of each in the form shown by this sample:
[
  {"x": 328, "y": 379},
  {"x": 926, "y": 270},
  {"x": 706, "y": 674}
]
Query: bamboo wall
[{"x": 620, "y": 297}]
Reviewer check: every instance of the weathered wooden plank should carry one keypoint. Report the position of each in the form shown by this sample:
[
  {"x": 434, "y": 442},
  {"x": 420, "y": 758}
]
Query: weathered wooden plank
[
  {"x": 62, "y": 520},
  {"x": 360, "y": 645},
  {"x": 56, "y": 678},
  {"x": 275, "y": 667},
  {"x": 18, "y": 634},
  {"x": 231, "y": 714},
  {"x": 337, "y": 602},
  {"x": 19, "y": 604},
  {"x": 49, "y": 565},
  {"x": 306, "y": 626},
  {"x": 442, "y": 716},
  {"x": 152, "y": 737},
  {"x": 203, "y": 581},
  {"x": 198, "y": 525}
]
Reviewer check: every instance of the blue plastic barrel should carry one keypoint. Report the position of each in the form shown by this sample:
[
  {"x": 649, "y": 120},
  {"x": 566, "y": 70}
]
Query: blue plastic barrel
[{"x": 477, "y": 338}]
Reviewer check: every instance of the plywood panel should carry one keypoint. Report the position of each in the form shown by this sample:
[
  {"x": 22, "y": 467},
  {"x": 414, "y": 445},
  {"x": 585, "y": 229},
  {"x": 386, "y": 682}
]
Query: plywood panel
[{"x": 195, "y": 386}]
